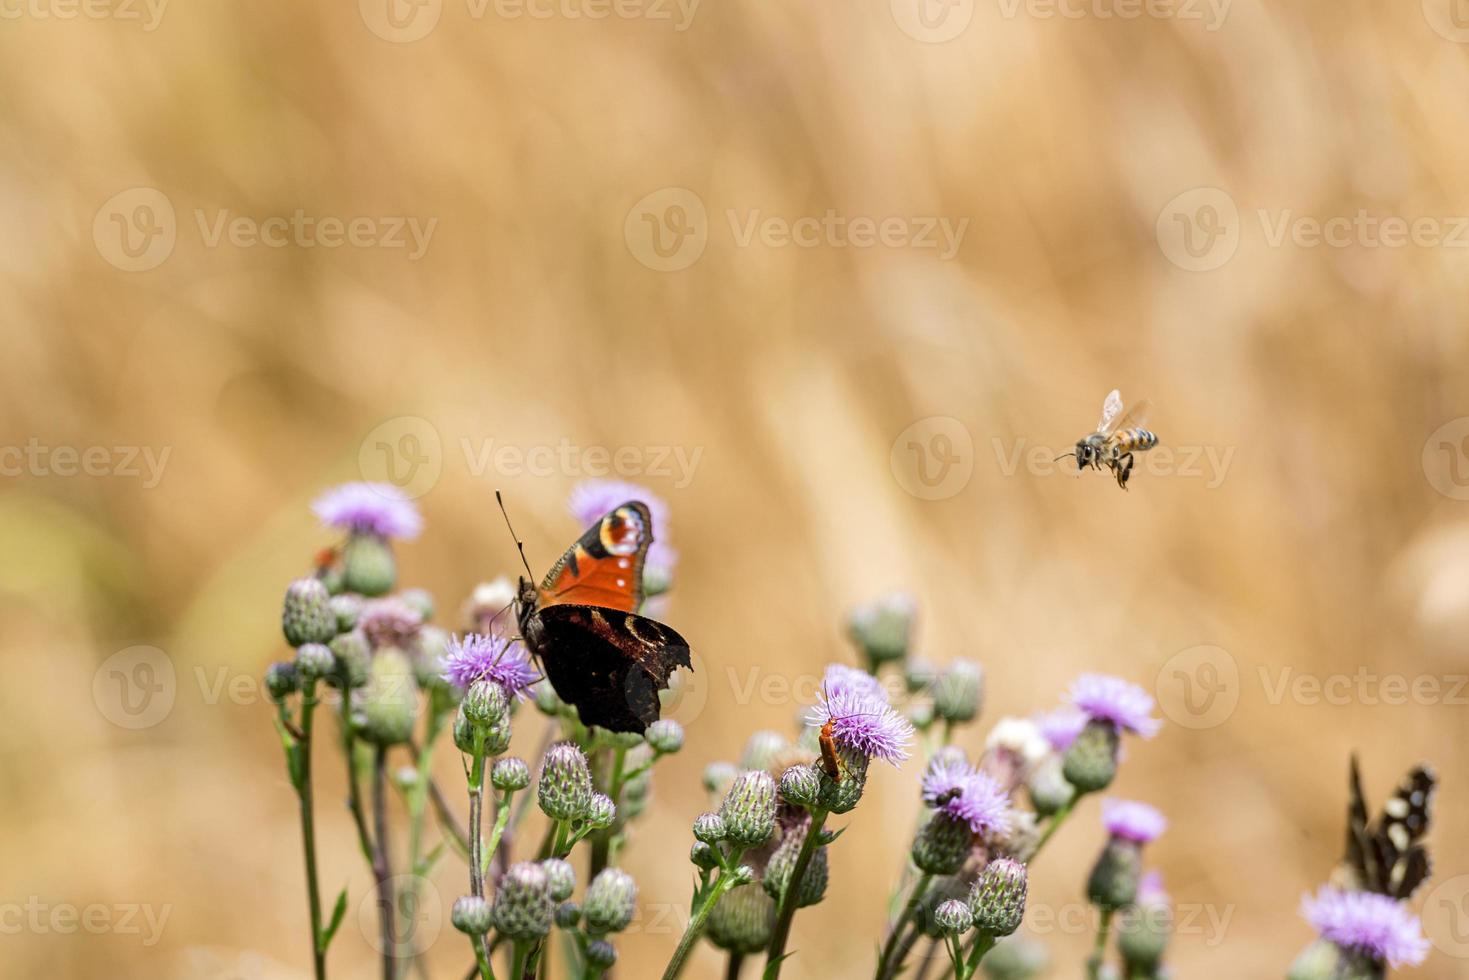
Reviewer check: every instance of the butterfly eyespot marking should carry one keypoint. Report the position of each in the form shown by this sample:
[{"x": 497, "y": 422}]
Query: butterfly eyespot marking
[{"x": 622, "y": 531}]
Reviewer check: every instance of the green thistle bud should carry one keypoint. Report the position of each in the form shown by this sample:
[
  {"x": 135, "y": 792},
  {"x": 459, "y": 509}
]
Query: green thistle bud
[
  {"x": 1143, "y": 932},
  {"x": 953, "y": 917},
  {"x": 368, "y": 566},
  {"x": 842, "y": 794},
  {"x": 389, "y": 703},
  {"x": 547, "y": 703},
  {"x": 782, "y": 865},
  {"x": 560, "y": 879},
  {"x": 314, "y": 661},
  {"x": 1016, "y": 958},
  {"x": 800, "y": 786},
  {"x": 941, "y": 891},
  {"x": 486, "y": 704},
  {"x": 420, "y": 602},
  {"x": 522, "y": 907},
  {"x": 998, "y": 897},
  {"x": 748, "y": 809},
  {"x": 354, "y": 657},
  {"x": 568, "y": 914},
  {"x": 306, "y": 615},
  {"x": 665, "y": 736},
  {"x": 332, "y": 579},
  {"x": 282, "y": 680},
  {"x": 1321, "y": 960},
  {"x": 942, "y": 845},
  {"x": 763, "y": 748},
  {"x": 918, "y": 675},
  {"x": 1091, "y": 762},
  {"x": 484, "y": 740},
  {"x": 429, "y": 649},
  {"x": 958, "y": 692},
  {"x": 601, "y": 811},
  {"x": 610, "y": 902},
  {"x": 709, "y": 828},
  {"x": 920, "y": 713},
  {"x": 601, "y": 954},
  {"x": 346, "y": 608},
  {"x": 565, "y": 789},
  {"x": 704, "y": 856},
  {"x": 743, "y": 875},
  {"x": 883, "y": 628},
  {"x": 718, "y": 776},
  {"x": 510, "y": 775},
  {"x": 471, "y": 915},
  {"x": 743, "y": 920},
  {"x": 1114, "y": 878},
  {"x": 1049, "y": 791}
]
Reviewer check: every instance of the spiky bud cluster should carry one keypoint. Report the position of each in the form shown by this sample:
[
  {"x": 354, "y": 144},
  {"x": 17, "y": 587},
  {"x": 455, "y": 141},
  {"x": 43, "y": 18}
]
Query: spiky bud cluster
[
  {"x": 704, "y": 856},
  {"x": 952, "y": 917},
  {"x": 368, "y": 567},
  {"x": 998, "y": 897},
  {"x": 709, "y": 828},
  {"x": 282, "y": 680},
  {"x": 840, "y": 795},
  {"x": 743, "y": 920},
  {"x": 471, "y": 915},
  {"x": 611, "y": 901},
  {"x": 306, "y": 615},
  {"x": 510, "y": 775},
  {"x": 1114, "y": 878},
  {"x": 782, "y": 866},
  {"x": 800, "y": 785},
  {"x": 664, "y": 736},
  {"x": 522, "y": 908},
  {"x": 565, "y": 789},
  {"x": 486, "y": 704},
  {"x": 941, "y": 845},
  {"x": 940, "y": 891},
  {"x": 560, "y": 879},
  {"x": 314, "y": 661},
  {"x": 601, "y": 811},
  {"x": 748, "y": 809},
  {"x": 959, "y": 691},
  {"x": 389, "y": 702},
  {"x": 1091, "y": 762}
]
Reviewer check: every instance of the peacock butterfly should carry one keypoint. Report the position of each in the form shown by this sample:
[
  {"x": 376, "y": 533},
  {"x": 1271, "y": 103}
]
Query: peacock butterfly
[{"x": 581, "y": 623}]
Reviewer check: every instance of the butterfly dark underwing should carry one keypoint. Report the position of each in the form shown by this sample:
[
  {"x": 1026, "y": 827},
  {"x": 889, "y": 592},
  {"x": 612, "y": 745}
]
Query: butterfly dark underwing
[
  {"x": 582, "y": 624},
  {"x": 1388, "y": 854}
]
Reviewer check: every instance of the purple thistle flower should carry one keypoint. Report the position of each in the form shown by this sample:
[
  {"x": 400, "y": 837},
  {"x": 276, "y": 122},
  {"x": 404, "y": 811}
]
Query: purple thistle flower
[
  {"x": 1061, "y": 726},
  {"x": 389, "y": 621},
  {"x": 1366, "y": 922},
  {"x": 1124, "y": 704},
  {"x": 945, "y": 779},
  {"x": 864, "y": 724},
  {"x": 1150, "y": 889},
  {"x": 490, "y": 658},
  {"x": 369, "y": 508},
  {"x": 1133, "y": 821},
  {"x": 591, "y": 499},
  {"x": 983, "y": 804},
  {"x": 841, "y": 679}
]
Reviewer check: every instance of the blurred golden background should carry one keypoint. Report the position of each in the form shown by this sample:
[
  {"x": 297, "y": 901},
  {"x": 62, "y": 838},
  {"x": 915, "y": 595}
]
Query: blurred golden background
[{"x": 1015, "y": 209}]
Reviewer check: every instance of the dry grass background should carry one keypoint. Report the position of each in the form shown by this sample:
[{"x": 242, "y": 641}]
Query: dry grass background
[{"x": 1326, "y": 548}]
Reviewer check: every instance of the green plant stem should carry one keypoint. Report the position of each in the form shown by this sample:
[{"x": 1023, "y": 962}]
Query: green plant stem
[
  {"x": 602, "y": 841},
  {"x": 891, "y": 961},
  {"x": 703, "y": 904},
  {"x": 354, "y": 790},
  {"x": 497, "y": 833},
  {"x": 482, "y": 958},
  {"x": 518, "y": 959},
  {"x": 732, "y": 970},
  {"x": 476, "y": 806},
  {"x": 1099, "y": 948},
  {"x": 382, "y": 866},
  {"x": 417, "y": 801},
  {"x": 306, "y": 799},
  {"x": 964, "y": 969},
  {"x": 789, "y": 899},
  {"x": 1057, "y": 819}
]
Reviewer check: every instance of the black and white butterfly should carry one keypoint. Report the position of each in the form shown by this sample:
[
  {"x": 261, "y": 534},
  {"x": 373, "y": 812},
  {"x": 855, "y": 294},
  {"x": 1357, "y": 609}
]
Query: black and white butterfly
[{"x": 1388, "y": 854}]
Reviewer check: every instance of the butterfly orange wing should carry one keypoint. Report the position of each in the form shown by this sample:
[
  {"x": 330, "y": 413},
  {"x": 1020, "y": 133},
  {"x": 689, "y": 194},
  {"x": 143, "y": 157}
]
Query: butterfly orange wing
[{"x": 605, "y": 565}]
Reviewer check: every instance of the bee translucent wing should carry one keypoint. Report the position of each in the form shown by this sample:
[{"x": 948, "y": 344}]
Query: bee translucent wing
[
  {"x": 1111, "y": 408},
  {"x": 1134, "y": 416}
]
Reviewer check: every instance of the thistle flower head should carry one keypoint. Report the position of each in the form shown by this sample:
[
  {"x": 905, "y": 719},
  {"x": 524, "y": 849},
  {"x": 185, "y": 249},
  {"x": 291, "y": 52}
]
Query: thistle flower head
[
  {"x": 762, "y": 749},
  {"x": 864, "y": 724},
  {"x": 354, "y": 657},
  {"x": 1060, "y": 726},
  {"x": 781, "y": 867},
  {"x": 1019, "y": 738},
  {"x": 389, "y": 702},
  {"x": 945, "y": 776},
  {"x": 1150, "y": 890},
  {"x": 560, "y": 879},
  {"x": 471, "y": 915},
  {"x": 611, "y": 900},
  {"x": 958, "y": 691},
  {"x": 953, "y": 917},
  {"x": 478, "y": 657},
  {"x": 709, "y": 828},
  {"x": 1133, "y": 821},
  {"x": 748, "y": 810},
  {"x": 565, "y": 789},
  {"x": 601, "y": 954},
  {"x": 1367, "y": 923},
  {"x": 346, "y": 608},
  {"x": 281, "y": 680},
  {"x": 389, "y": 621},
  {"x": 523, "y": 908},
  {"x": 800, "y": 785},
  {"x": 601, "y": 811},
  {"x": 955, "y": 789},
  {"x": 306, "y": 615},
  {"x": 941, "y": 845},
  {"x": 1124, "y": 704},
  {"x": 486, "y": 704},
  {"x": 883, "y": 627},
  {"x": 743, "y": 920},
  {"x": 665, "y": 736},
  {"x": 841, "y": 679},
  {"x": 510, "y": 775},
  {"x": 591, "y": 499},
  {"x": 1090, "y": 764},
  {"x": 997, "y": 900},
  {"x": 718, "y": 775},
  {"x": 379, "y": 509}
]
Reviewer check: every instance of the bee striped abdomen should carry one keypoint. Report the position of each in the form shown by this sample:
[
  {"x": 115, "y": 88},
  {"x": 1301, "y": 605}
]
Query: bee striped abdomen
[{"x": 1135, "y": 440}]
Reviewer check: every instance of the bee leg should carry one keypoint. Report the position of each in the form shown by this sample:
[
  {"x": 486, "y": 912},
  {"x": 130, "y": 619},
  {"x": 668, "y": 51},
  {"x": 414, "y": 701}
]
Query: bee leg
[{"x": 1124, "y": 469}]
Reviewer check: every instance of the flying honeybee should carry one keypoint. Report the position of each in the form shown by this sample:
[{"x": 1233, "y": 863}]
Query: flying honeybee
[{"x": 1118, "y": 437}]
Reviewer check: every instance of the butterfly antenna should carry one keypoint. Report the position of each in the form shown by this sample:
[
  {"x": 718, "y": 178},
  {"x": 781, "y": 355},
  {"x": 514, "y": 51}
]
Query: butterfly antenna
[{"x": 519, "y": 545}]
